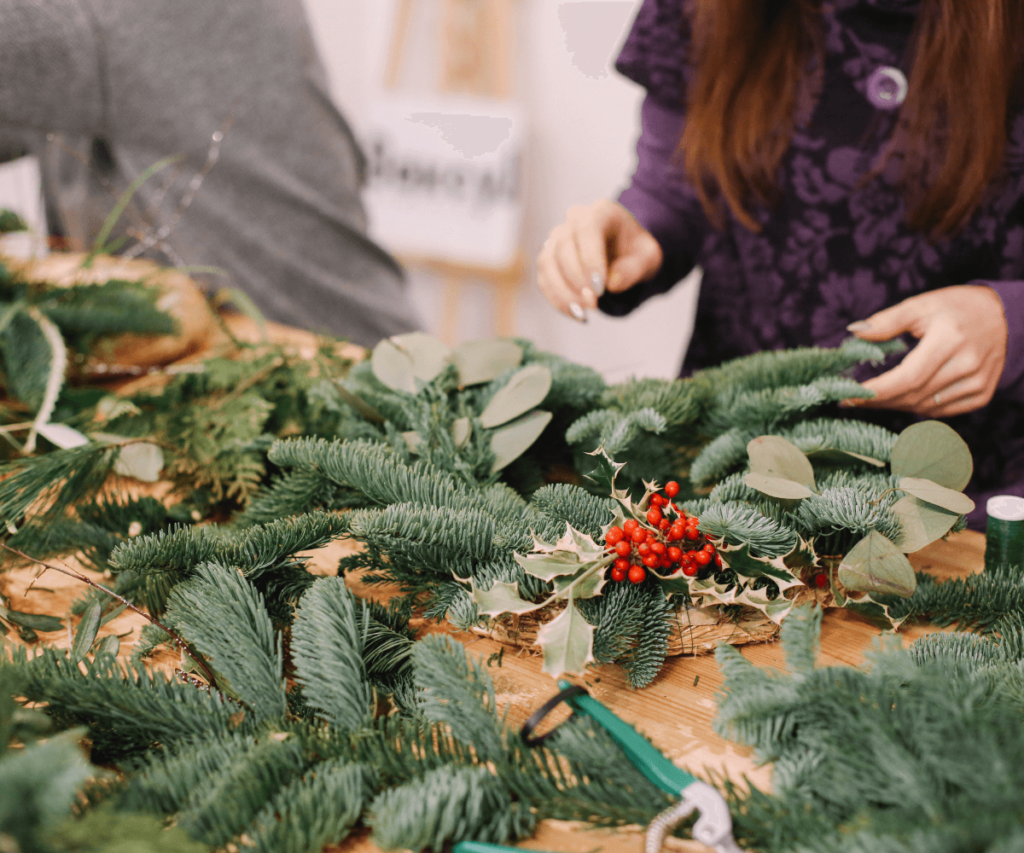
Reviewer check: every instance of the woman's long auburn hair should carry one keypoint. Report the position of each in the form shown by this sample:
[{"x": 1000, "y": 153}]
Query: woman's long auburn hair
[{"x": 751, "y": 57}]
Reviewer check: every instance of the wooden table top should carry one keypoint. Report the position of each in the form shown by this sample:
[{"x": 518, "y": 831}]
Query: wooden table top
[{"x": 676, "y": 711}]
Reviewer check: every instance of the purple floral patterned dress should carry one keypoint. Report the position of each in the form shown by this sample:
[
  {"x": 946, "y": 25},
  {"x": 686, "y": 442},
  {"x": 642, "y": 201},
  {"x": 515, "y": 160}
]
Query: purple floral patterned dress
[{"x": 830, "y": 252}]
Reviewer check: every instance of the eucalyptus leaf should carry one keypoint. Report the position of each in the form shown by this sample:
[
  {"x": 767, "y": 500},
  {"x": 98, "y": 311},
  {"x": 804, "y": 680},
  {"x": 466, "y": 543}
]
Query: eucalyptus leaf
[
  {"x": 109, "y": 645},
  {"x": 428, "y": 355},
  {"x": 484, "y": 361},
  {"x": 933, "y": 493},
  {"x": 773, "y": 456},
  {"x": 88, "y": 628},
  {"x": 835, "y": 456},
  {"x": 393, "y": 367},
  {"x": 142, "y": 460},
  {"x": 567, "y": 642},
  {"x": 921, "y": 523},
  {"x": 62, "y": 436},
  {"x": 525, "y": 390},
  {"x": 461, "y": 428},
  {"x": 876, "y": 565},
  {"x": 35, "y": 621},
  {"x": 501, "y": 598},
  {"x": 510, "y": 441},
  {"x": 777, "y": 487},
  {"x": 932, "y": 450}
]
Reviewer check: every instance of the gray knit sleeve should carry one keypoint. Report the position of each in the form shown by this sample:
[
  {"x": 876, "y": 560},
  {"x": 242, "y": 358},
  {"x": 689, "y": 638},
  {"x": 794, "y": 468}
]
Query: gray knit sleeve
[{"x": 51, "y": 75}]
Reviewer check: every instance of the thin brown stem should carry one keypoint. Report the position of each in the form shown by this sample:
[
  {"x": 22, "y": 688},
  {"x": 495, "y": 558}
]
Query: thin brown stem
[{"x": 178, "y": 639}]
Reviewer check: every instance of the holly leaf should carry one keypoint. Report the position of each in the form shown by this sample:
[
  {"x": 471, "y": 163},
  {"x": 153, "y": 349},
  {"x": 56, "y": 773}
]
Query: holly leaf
[
  {"x": 777, "y": 487},
  {"x": 510, "y": 441},
  {"x": 427, "y": 355},
  {"x": 549, "y": 566},
  {"x": 921, "y": 523},
  {"x": 485, "y": 361},
  {"x": 740, "y": 561},
  {"x": 526, "y": 389},
  {"x": 393, "y": 367},
  {"x": 773, "y": 456},
  {"x": 933, "y": 493},
  {"x": 775, "y": 609},
  {"x": 604, "y": 471},
  {"x": 567, "y": 642},
  {"x": 586, "y": 583},
  {"x": 875, "y": 612},
  {"x": 932, "y": 450},
  {"x": 876, "y": 565},
  {"x": 501, "y": 598}
]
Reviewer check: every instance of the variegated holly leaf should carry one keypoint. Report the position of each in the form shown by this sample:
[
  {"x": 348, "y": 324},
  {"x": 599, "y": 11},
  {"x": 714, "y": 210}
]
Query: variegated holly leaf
[
  {"x": 586, "y": 583},
  {"x": 501, "y": 598},
  {"x": 775, "y": 609},
  {"x": 707, "y": 592},
  {"x": 740, "y": 561},
  {"x": 548, "y": 566},
  {"x": 875, "y": 612},
  {"x": 573, "y": 541},
  {"x": 604, "y": 473},
  {"x": 567, "y": 642},
  {"x": 875, "y": 564}
]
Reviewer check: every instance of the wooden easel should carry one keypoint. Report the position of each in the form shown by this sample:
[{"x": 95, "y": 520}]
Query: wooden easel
[{"x": 476, "y": 59}]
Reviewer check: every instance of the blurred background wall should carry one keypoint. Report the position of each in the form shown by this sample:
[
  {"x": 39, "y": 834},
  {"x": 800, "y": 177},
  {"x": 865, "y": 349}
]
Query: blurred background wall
[{"x": 581, "y": 122}]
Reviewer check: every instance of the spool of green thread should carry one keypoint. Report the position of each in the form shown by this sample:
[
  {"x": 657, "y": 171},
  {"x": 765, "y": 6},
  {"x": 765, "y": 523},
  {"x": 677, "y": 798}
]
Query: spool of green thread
[{"x": 1004, "y": 532}]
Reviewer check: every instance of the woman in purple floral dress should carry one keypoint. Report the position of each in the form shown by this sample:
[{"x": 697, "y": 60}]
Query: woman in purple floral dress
[{"x": 846, "y": 166}]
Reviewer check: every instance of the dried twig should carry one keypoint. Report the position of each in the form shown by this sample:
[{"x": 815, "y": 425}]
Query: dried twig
[{"x": 177, "y": 638}]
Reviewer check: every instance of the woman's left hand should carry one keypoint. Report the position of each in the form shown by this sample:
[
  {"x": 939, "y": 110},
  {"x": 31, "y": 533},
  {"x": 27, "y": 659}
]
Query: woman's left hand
[{"x": 958, "y": 360}]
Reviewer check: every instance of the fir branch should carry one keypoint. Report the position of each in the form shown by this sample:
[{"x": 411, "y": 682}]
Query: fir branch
[
  {"x": 447, "y": 806},
  {"x": 327, "y": 649},
  {"x": 738, "y": 523},
  {"x": 645, "y": 660},
  {"x": 315, "y": 811},
  {"x": 224, "y": 617}
]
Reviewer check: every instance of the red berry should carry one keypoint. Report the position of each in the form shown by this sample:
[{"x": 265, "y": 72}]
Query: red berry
[
  {"x": 701, "y": 558},
  {"x": 657, "y": 500},
  {"x": 689, "y": 569},
  {"x": 664, "y": 563},
  {"x": 622, "y": 563},
  {"x": 654, "y": 516},
  {"x": 639, "y": 535},
  {"x": 709, "y": 547},
  {"x": 643, "y": 549},
  {"x": 821, "y": 581},
  {"x": 619, "y": 574},
  {"x": 637, "y": 574},
  {"x": 718, "y": 560},
  {"x": 676, "y": 532},
  {"x": 659, "y": 548},
  {"x": 692, "y": 534},
  {"x": 671, "y": 488},
  {"x": 675, "y": 554},
  {"x": 651, "y": 560},
  {"x": 623, "y": 548},
  {"x": 614, "y": 535},
  {"x": 664, "y": 525},
  {"x": 630, "y": 525}
]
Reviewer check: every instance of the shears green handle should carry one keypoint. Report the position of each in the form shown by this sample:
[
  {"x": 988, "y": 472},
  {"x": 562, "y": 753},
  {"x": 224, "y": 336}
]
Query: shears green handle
[{"x": 655, "y": 766}]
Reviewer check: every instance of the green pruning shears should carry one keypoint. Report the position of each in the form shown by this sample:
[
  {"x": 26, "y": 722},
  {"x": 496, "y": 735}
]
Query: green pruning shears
[{"x": 713, "y": 827}]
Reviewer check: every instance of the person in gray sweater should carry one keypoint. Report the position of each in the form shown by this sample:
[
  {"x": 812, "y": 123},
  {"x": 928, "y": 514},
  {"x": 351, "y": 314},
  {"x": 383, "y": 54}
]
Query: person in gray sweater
[{"x": 266, "y": 174}]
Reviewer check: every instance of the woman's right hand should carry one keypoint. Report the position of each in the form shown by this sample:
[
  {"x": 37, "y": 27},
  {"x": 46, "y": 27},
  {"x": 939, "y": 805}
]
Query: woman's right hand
[{"x": 599, "y": 247}]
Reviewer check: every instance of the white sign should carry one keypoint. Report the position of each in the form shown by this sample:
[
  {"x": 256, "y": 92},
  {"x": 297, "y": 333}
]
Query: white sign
[{"x": 444, "y": 178}]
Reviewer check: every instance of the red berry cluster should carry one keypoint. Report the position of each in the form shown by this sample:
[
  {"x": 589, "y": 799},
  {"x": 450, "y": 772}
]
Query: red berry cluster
[{"x": 669, "y": 541}]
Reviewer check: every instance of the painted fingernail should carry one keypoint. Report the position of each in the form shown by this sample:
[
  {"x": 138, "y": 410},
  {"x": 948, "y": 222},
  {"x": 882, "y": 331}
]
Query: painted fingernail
[
  {"x": 597, "y": 282},
  {"x": 859, "y": 326},
  {"x": 577, "y": 312}
]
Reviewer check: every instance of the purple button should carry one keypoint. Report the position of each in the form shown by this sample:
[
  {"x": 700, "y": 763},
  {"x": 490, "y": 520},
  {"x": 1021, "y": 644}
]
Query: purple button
[{"x": 887, "y": 87}]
